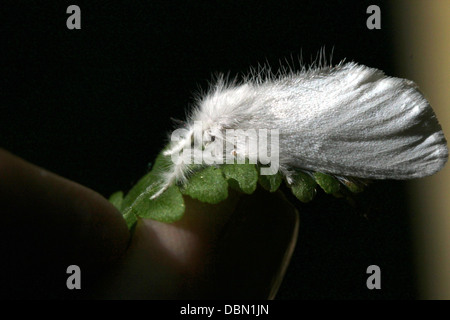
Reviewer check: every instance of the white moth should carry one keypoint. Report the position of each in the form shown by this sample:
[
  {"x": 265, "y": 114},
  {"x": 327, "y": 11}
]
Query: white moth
[{"x": 348, "y": 121}]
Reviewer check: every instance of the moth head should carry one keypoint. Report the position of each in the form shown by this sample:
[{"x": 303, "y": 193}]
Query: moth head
[
  {"x": 202, "y": 133},
  {"x": 211, "y": 134},
  {"x": 198, "y": 136}
]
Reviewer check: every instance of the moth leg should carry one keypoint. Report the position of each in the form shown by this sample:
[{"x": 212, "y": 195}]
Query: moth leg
[
  {"x": 288, "y": 175},
  {"x": 180, "y": 145},
  {"x": 160, "y": 191},
  {"x": 176, "y": 148}
]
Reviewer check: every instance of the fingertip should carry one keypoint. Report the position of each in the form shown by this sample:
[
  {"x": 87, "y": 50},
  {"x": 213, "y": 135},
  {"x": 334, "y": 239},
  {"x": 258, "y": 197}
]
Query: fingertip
[{"x": 50, "y": 223}]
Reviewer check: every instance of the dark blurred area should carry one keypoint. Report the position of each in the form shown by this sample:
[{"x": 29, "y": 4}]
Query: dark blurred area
[{"x": 94, "y": 105}]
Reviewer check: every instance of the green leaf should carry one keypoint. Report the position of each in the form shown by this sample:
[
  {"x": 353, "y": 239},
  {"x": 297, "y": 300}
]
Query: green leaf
[
  {"x": 130, "y": 219},
  {"x": 303, "y": 187},
  {"x": 116, "y": 199},
  {"x": 328, "y": 183},
  {"x": 147, "y": 180},
  {"x": 151, "y": 178},
  {"x": 272, "y": 182},
  {"x": 162, "y": 163},
  {"x": 168, "y": 207},
  {"x": 207, "y": 185},
  {"x": 241, "y": 177}
]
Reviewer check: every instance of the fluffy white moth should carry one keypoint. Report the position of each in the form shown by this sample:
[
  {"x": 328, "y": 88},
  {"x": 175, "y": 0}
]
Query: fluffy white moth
[{"x": 348, "y": 121}]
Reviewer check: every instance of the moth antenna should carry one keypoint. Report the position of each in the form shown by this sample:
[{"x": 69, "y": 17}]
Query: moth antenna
[{"x": 178, "y": 122}]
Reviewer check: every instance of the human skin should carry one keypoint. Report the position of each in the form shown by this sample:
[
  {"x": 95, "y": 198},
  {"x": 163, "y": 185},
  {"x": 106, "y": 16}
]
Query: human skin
[{"x": 238, "y": 249}]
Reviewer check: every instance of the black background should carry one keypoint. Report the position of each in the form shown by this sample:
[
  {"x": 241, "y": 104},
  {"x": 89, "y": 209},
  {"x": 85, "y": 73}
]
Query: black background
[{"x": 94, "y": 105}]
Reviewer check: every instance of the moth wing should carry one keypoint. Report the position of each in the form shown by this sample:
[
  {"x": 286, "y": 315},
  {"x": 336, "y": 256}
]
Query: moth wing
[{"x": 358, "y": 122}]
